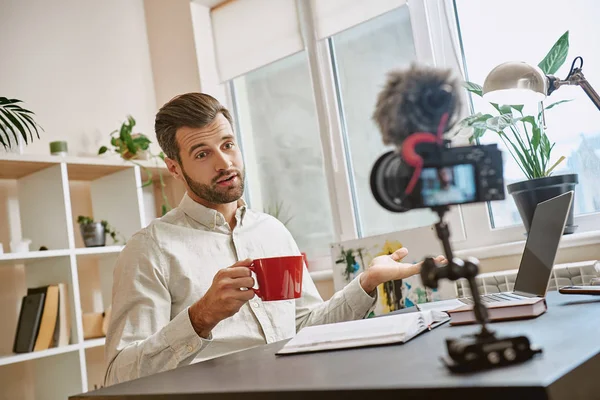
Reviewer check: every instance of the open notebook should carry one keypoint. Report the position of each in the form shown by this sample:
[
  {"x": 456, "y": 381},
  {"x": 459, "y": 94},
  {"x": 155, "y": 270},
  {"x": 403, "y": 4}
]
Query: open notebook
[{"x": 388, "y": 329}]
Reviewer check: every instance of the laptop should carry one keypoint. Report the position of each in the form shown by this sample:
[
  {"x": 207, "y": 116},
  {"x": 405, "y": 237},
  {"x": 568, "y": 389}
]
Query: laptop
[{"x": 537, "y": 261}]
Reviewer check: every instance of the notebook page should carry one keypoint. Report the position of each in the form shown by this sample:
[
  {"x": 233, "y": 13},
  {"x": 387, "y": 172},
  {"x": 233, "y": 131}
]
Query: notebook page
[{"x": 388, "y": 329}]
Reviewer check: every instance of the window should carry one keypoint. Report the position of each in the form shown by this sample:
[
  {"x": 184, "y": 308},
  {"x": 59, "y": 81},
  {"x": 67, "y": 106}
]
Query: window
[
  {"x": 362, "y": 56},
  {"x": 574, "y": 126},
  {"x": 281, "y": 144},
  {"x": 283, "y": 135}
]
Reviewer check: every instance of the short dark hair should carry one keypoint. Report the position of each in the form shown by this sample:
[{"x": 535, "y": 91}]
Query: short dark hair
[{"x": 195, "y": 110}]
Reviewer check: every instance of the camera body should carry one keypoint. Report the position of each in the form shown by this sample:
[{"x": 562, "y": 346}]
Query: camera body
[{"x": 446, "y": 176}]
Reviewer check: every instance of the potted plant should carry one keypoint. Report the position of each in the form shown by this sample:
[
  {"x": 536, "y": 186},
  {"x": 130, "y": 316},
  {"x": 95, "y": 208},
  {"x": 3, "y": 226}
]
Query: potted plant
[
  {"x": 528, "y": 144},
  {"x": 94, "y": 233},
  {"x": 16, "y": 122},
  {"x": 133, "y": 147}
]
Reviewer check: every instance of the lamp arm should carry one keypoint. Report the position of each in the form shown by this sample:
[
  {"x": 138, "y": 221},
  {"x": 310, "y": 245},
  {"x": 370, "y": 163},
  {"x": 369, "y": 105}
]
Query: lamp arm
[{"x": 576, "y": 77}]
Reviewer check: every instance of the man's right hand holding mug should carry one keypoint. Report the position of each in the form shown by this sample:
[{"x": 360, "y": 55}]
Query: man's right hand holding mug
[{"x": 224, "y": 298}]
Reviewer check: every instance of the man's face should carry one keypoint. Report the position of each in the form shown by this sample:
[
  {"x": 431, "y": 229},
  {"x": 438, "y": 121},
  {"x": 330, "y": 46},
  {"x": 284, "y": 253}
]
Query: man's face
[
  {"x": 211, "y": 162},
  {"x": 445, "y": 176}
]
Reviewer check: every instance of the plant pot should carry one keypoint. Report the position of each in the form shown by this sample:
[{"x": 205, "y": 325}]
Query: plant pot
[
  {"x": 139, "y": 155},
  {"x": 528, "y": 194},
  {"x": 93, "y": 234}
]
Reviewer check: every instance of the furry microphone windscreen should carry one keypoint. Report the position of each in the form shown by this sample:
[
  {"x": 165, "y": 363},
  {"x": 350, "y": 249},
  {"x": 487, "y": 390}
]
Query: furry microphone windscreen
[{"x": 414, "y": 100}]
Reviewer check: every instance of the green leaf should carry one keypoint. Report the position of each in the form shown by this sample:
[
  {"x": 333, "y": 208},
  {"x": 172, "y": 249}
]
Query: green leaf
[
  {"x": 525, "y": 166},
  {"x": 546, "y": 146},
  {"x": 556, "y": 56},
  {"x": 557, "y": 103},
  {"x": 472, "y": 119},
  {"x": 25, "y": 119},
  {"x": 129, "y": 143},
  {"x": 536, "y": 138},
  {"x": 519, "y": 108},
  {"x": 7, "y": 127},
  {"x": 102, "y": 150},
  {"x": 15, "y": 123},
  {"x": 499, "y": 123},
  {"x": 142, "y": 142},
  {"x": 477, "y": 133},
  {"x": 15, "y": 118},
  {"x": 528, "y": 119},
  {"x": 164, "y": 209},
  {"x": 505, "y": 110},
  {"x": 474, "y": 88},
  {"x": 6, "y": 101},
  {"x": 553, "y": 105}
]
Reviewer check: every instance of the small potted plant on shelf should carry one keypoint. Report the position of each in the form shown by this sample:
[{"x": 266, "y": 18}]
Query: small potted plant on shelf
[
  {"x": 528, "y": 144},
  {"x": 94, "y": 233},
  {"x": 136, "y": 146},
  {"x": 16, "y": 124}
]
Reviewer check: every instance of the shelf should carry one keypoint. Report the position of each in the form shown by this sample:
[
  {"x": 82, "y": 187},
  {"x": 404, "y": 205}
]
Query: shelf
[
  {"x": 93, "y": 251},
  {"x": 90, "y": 343},
  {"x": 17, "y": 358},
  {"x": 15, "y": 258},
  {"x": 16, "y": 166}
]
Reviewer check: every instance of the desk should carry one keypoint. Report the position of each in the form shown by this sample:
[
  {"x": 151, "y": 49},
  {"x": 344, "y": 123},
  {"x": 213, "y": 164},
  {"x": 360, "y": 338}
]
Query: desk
[{"x": 569, "y": 367}]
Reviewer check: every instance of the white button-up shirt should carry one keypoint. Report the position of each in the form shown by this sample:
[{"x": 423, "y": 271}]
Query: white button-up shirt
[{"x": 170, "y": 264}]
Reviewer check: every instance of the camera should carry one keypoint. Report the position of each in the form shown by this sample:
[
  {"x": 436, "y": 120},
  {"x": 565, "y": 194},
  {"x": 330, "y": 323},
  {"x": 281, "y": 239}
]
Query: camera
[
  {"x": 447, "y": 176},
  {"x": 414, "y": 111}
]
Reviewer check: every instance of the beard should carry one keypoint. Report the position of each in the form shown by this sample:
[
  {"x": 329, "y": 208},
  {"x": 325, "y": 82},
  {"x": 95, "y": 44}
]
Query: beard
[{"x": 213, "y": 193}]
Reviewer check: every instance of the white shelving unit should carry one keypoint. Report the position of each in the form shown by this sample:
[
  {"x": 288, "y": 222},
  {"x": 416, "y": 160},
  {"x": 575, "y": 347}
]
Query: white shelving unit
[{"x": 40, "y": 199}]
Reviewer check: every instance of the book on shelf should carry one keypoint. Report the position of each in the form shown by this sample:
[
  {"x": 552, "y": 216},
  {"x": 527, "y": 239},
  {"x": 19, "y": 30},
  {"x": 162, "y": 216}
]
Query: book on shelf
[
  {"x": 29, "y": 322},
  {"x": 385, "y": 329},
  {"x": 44, "y": 320}
]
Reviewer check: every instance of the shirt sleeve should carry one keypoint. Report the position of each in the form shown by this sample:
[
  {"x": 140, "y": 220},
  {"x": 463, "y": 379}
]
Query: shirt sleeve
[
  {"x": 348, "y": 304},
  {"x": 143, "y": 338}
]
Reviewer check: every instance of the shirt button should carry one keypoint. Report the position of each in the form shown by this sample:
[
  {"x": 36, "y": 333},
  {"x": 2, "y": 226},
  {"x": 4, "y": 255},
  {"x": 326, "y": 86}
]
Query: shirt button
[
  {"x": 255, "y": 305},
  {"x": 190, "y": 348}
]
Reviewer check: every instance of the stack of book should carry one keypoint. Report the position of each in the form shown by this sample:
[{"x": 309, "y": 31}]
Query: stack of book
[{"x": 44, "y": 320}]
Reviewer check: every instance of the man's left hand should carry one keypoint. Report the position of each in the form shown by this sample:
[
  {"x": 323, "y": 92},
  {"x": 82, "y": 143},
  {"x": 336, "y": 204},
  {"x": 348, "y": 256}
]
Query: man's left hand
[{"x": 389, "y": 268}]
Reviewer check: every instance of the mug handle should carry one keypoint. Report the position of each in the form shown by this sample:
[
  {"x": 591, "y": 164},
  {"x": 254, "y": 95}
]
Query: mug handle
[{"x": 252, "y": 268}]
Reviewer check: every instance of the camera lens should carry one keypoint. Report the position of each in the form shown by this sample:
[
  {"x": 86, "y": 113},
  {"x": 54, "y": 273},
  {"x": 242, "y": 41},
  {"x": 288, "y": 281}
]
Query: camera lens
[{"x": 389, "y": 179}]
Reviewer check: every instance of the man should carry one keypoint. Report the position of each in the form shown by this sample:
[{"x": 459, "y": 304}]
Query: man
[
  {"x": 448, "y": 192},
  {"x": 180, "y": 285}
]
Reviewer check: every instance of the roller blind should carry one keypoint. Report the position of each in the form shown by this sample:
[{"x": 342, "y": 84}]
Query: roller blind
[
  {"x": 249, "y": 34},
  {"x": 333, "y": 16}
]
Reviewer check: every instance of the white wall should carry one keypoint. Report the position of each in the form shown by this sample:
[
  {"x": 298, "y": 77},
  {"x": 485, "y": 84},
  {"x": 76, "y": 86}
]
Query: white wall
[
  {"x": 172, "y": 48},
  {"x": 80, "y": 65}
]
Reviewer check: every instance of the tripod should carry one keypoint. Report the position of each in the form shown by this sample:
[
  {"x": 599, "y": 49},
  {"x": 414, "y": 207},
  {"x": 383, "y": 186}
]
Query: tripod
[{"x": 482, "y": 350}]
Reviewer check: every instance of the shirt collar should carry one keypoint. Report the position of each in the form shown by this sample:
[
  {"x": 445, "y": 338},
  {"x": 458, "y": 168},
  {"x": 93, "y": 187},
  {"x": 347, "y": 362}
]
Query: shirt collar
[{"x": 207, "y": 216}]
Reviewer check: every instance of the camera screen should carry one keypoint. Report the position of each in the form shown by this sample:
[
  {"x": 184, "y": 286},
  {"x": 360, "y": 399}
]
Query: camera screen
[{"x": 448, "y": 185}]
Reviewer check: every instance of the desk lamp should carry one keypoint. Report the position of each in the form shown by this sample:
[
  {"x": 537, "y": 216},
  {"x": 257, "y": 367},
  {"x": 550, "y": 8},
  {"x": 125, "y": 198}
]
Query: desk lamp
[{"x": 516, "y": 82}]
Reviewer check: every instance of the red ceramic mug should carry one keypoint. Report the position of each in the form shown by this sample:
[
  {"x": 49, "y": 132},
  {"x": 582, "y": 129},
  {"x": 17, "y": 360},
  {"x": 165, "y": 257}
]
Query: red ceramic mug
[{"x": 278, "y": 278}]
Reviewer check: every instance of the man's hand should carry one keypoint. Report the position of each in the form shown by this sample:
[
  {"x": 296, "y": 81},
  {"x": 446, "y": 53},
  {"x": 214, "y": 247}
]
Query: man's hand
[
  {"x": 389, "y": 268},
  {"x": 224, "y": 298}
]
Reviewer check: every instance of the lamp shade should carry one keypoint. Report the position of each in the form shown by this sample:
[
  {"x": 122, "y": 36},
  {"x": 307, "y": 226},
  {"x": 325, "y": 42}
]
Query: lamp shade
[{"x": 515, "y": 82}]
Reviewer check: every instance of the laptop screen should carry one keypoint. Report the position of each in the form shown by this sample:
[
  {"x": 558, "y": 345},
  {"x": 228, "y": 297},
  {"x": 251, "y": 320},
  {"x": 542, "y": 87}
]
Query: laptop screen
[{"x": 544, "y": 237}]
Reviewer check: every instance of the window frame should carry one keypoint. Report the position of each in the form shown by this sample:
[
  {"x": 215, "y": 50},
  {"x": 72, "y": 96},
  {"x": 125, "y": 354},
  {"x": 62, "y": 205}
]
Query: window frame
[{"x": 436, "y": 34}]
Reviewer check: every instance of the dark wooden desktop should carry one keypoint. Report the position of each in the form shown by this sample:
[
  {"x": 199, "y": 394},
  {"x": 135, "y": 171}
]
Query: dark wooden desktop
[{"x": 568, "y": 368}]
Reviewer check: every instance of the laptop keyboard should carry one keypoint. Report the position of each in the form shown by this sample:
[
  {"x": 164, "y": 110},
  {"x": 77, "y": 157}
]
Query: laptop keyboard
[{"x": 493, "y": 297}]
